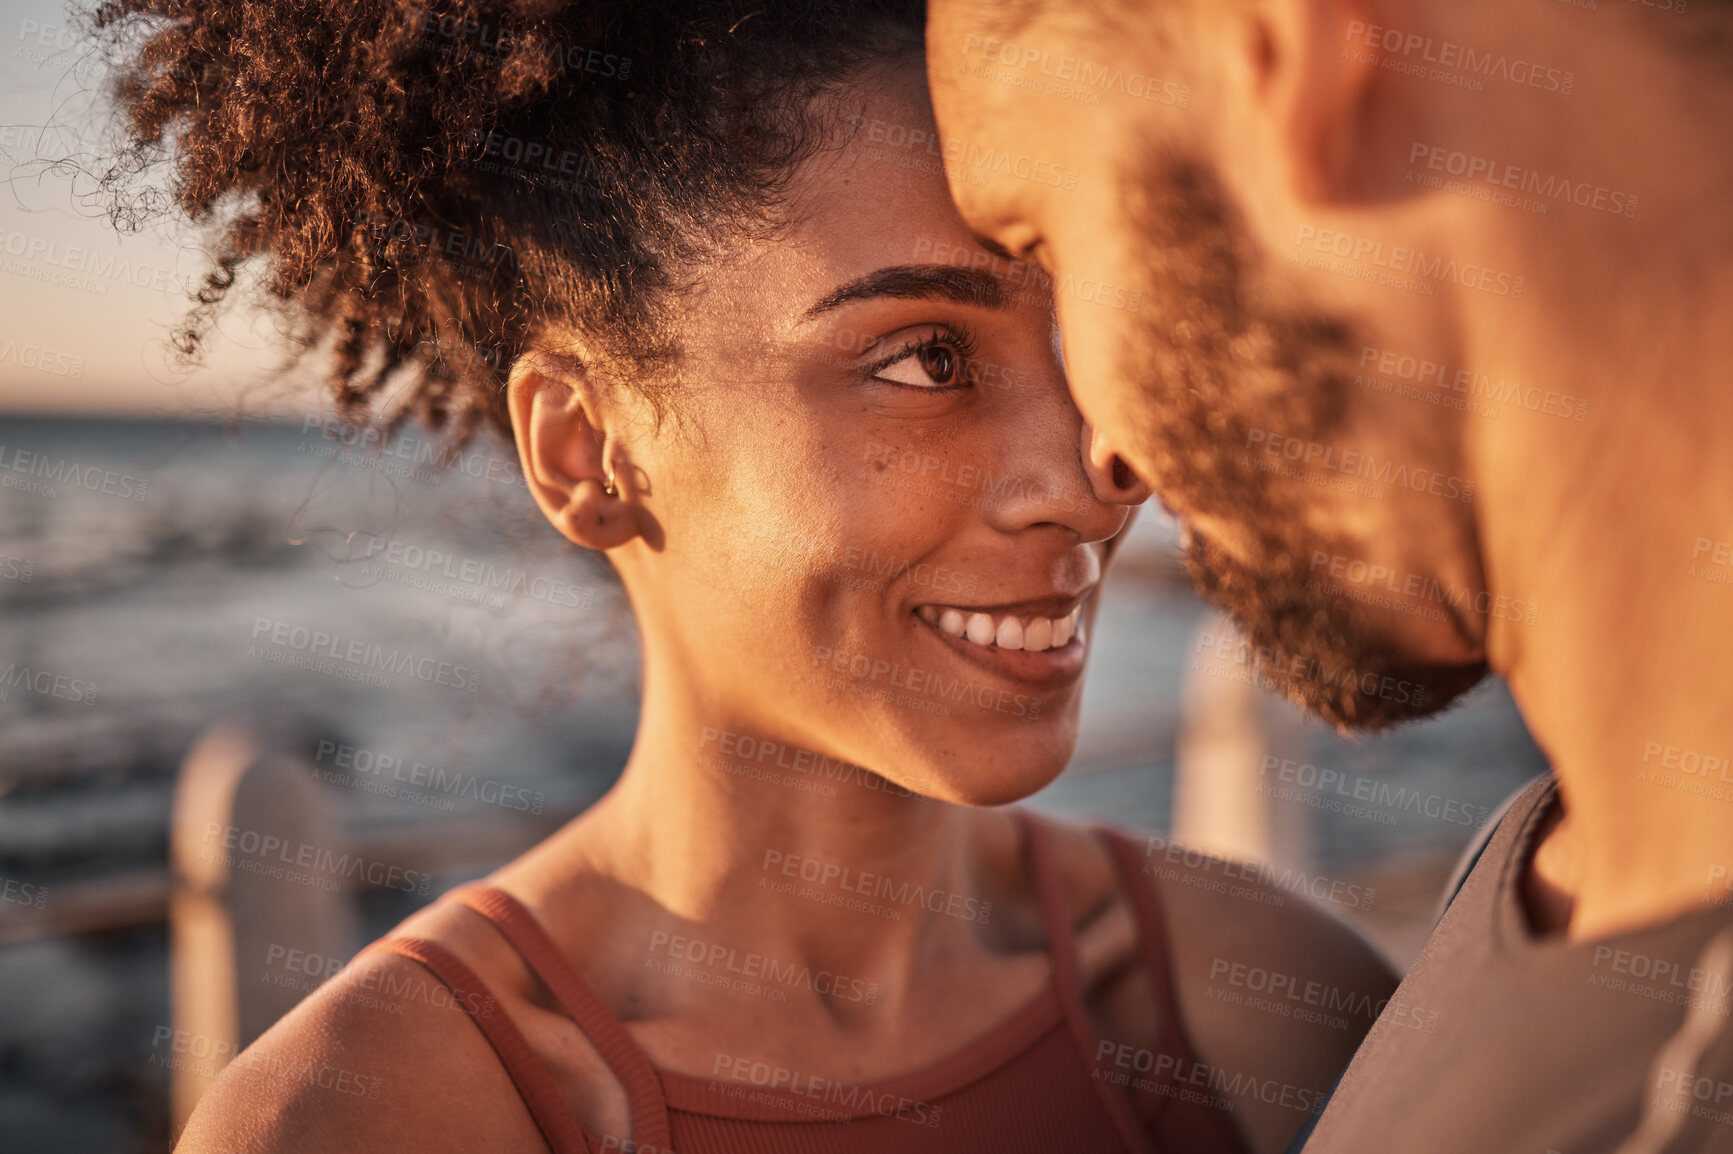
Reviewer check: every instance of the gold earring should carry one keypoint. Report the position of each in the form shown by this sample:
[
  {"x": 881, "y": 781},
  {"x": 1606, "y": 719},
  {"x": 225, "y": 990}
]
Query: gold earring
[{"x": 608, "y": 487}]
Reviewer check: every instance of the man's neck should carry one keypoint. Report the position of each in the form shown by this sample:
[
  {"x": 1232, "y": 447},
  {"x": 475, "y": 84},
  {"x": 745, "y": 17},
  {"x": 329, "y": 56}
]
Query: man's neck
[{"x": 1612, "y": 527}]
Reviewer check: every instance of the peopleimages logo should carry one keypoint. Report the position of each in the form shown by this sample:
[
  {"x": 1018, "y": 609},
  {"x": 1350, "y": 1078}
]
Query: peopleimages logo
[
  {"x": 1414, "y": 268},
  {"x": 91, "y": 270},
  {"x": 386, "y": 559},
  {"x": 966, "y": 158},
  {"x": 312, "y": 645},
  {"x": 1397, "y": 46},
  {"x": 891, "y": 460},
  {"x": 1379, "y": 792},
  {"x": 90, "y": 478},
  {"x": 206, "y": 1055},
  {"x": 1549, "y": 188},
  {"x": 1421, "y": 589},
  {"x": 1073, "y": 70},
  {"x": 1233, "y": 657},
  {"x": 36, "y": 897},
  {"x": 361, "y": 444},
  {"x": 498, "y": 42},
  {"x": 1168, "y": 1073},
  {"x": 416, "y": 781},
  {"x": 268, "y": 855},
  {"x": 866, "y": 672},
  {"x": 46, "y": 683},
  {"x": 830, "y": 875},
  {"x": 1288, "y": 879},
  {"x": 756, "y": 967},
  {"x": 1687, "y": 761},
  {"x": 1663, "y": 979},
  {"x": 294, "y": 969},
  {"x": 1296, "y": 989},
  {"x": 849, "y": 1100},
  {"x": 1331, "y": 459},
  {"x": 761, "y": 752},
  {"x": 1478, "y": 386}
]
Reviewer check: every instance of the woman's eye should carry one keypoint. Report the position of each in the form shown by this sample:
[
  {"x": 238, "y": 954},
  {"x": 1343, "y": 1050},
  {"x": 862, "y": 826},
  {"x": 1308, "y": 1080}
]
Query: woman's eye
[{"x": 928, "y": 367}]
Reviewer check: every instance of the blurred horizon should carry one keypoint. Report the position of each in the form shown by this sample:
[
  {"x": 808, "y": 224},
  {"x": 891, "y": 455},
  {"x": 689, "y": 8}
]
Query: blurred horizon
[{"x": 66, "y": 266}]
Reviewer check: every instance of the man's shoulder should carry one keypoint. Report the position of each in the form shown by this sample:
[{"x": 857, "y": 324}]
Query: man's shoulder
[{"x": 1535, "y": 794}]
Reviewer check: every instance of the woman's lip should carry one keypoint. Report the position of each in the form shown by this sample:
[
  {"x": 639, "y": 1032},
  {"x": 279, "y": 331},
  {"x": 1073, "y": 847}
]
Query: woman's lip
[
  {"x": 1050, "y": 669},
  {"x": 1052, "y": 607}
]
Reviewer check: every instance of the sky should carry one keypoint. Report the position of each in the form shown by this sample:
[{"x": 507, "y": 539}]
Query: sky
[{"x": 86, "y": 312}]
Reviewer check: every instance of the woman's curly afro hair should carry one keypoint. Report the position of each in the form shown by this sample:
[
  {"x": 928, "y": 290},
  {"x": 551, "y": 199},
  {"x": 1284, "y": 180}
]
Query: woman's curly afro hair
[{"x": 434, "y": 189}]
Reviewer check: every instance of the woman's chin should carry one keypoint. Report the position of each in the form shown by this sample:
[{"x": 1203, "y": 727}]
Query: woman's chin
[{"x": 994, "y": 783}]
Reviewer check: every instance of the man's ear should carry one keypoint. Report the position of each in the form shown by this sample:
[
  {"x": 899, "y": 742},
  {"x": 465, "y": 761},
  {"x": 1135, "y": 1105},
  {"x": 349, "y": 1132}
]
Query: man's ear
[
  {"x": 1312, "y": 76},
  {"x": 566, "y": 456}
]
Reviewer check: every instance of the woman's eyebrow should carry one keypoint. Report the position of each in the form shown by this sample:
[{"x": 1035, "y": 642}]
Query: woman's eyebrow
[{"x": 917, "y": 282}]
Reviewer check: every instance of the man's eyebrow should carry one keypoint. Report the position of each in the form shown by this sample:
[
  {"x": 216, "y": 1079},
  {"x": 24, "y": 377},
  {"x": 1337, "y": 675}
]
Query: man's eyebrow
[{"x": 965, "y": 286}]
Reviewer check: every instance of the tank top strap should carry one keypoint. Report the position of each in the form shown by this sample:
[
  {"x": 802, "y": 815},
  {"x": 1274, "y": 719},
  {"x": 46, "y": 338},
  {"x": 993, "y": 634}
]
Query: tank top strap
[
  {"x": 628, "y": 1063},
  {"x": 1152, "y": 939},
  {"x": 1050, "y": 893},
  {"x": 534, "y": 1085},
  {"x": 1062, "y": 947},
  {"x": 1151, "y": 936}
]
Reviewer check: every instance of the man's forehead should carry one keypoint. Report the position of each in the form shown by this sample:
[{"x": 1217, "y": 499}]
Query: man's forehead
[
  {"x": 999, "y": 17},
  {"x": 1020, "y": 19}
]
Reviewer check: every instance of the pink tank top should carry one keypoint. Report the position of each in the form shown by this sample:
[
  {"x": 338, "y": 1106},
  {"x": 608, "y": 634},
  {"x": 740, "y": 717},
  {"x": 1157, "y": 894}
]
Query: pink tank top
[{"x": 1031, "y": 1084}]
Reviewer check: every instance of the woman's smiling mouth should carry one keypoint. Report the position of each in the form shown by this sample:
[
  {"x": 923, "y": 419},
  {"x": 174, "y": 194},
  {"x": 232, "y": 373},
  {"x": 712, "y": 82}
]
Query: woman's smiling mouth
[
  {"x": 1033, "y": 648},
  {"x": 1030, "y": 634}
]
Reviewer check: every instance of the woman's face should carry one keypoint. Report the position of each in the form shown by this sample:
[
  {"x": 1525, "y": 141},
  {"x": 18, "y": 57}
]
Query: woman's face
[{"x": 873, "y": 531}]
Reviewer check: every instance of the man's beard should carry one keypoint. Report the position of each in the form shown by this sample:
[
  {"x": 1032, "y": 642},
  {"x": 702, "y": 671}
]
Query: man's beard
[{"x": 1212, "y": 364}]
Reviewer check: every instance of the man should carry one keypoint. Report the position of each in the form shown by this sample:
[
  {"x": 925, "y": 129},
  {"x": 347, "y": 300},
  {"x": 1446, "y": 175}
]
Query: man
[{"x": 1418, "y": 315}]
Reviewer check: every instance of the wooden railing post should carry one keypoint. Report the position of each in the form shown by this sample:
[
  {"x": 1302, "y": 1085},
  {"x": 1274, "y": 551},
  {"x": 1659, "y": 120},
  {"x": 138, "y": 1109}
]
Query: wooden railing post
[
  {"x": 242, "y": 813},
  {"x": 1218, "y": 805}
]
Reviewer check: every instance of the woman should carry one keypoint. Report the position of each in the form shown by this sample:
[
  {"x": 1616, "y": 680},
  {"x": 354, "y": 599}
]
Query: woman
[{"x": 690, "y": 255}]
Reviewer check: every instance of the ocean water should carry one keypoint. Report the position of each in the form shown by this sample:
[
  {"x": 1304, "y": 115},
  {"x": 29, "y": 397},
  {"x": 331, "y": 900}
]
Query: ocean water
[{"x": 154, "y": 580}]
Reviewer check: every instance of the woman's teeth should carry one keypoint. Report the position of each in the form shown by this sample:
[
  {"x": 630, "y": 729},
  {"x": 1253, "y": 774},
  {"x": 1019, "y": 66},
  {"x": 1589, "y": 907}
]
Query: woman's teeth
[{"x": 1032, "y": 634}]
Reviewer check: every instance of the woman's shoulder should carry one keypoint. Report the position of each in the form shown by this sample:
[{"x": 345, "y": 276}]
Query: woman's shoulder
[
  {"x": 1254, "y": 928},
  {"x": 1274, "y": 991},
  {"x": 1214, "y": 914},
  {"x": 387, "y": 1054},
  {"x": 373, "y": 1059}
]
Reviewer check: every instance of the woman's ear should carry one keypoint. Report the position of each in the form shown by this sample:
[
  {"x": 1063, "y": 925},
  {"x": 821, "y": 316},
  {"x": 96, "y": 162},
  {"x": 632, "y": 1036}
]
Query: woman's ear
[{"x": 582, "y": 483}]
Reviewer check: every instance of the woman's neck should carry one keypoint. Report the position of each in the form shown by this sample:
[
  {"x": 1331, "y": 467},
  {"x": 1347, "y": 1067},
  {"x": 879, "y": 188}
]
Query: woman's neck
[{"x": 787, "y": 853}]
